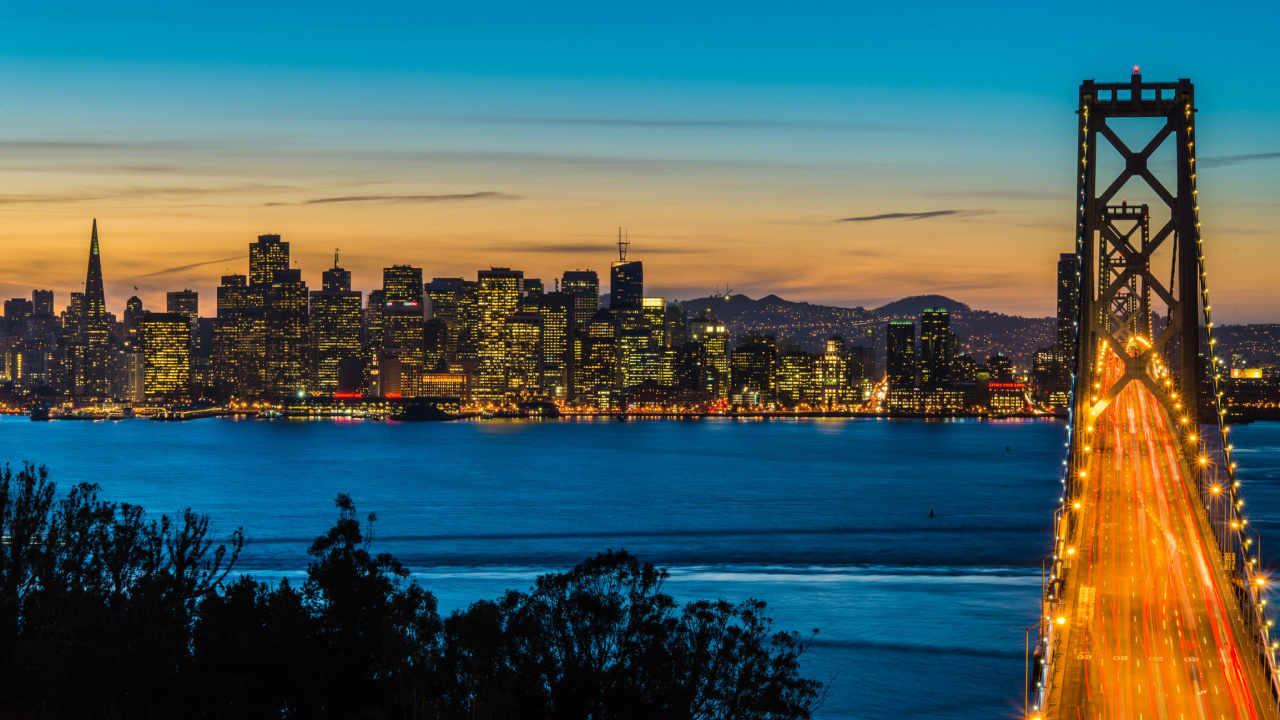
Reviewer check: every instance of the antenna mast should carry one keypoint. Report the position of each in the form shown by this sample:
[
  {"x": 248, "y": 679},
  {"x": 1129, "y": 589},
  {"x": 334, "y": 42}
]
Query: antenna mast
[{"x": 622, "y": 245}]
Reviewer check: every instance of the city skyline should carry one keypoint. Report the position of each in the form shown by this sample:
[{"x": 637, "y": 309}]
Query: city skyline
[{"x": 803, "y": 154}]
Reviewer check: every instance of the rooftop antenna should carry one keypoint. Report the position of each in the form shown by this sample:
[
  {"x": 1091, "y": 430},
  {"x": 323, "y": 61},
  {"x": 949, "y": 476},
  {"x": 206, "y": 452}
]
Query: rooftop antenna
[
  {"x": 335, "y": 258},
  {"x": 622, "y": 245}
]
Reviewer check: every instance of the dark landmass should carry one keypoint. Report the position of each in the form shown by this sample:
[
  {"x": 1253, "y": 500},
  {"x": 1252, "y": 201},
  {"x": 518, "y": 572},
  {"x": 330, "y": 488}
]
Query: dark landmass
[{"x": 106, "y": 612}]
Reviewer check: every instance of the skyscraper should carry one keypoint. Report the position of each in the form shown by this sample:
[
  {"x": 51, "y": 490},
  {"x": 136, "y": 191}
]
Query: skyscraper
[
  {"x": 288, "y": 335},
  {"x": 91, "y": 375},
  {"x": 935, "y": 348},
  {"x": 166, "y": 352},
  {"x": 584, "y": 287},
  {"x": 1068, "y": 277},
  {"x": 446, "y": 299},
  {"x": 336, "y": 278},
  {"x": 185, "y": 302},
  {"x": 556, "y": 309},
  {"x": 267, "y": 256},
  {"x": 337, "y": 354},
  {"x": 239, "y": 340},
  {"x": 901, "y": 354},
  {"x": 626, "y": 289},
  {"x": 403, "y": 314},
  {"x": 522, "y": 337},
  {"x": 42, "y": 302},
  {"x": 499, "y": 297}
]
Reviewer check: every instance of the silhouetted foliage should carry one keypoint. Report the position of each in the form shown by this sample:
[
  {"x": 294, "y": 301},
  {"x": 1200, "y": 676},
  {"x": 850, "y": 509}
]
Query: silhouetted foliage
[{"x": 104, "y": 613}]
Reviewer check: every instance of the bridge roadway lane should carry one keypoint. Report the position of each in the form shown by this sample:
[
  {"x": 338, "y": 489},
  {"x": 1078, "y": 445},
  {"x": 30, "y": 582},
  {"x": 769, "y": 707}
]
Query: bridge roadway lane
[{"x": 1149, "y": 634}]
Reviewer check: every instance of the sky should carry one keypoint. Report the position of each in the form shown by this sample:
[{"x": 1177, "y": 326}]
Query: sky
[{"x": 840, "y": 153}]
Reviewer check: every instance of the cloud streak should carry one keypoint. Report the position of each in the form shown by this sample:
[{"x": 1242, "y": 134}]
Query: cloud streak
[
  {"x": 901, "y": 216},
  {"x": 180, "y": 268},
  {"x": 1227, "y": 160},
  {"x": 486, "y": 195}
]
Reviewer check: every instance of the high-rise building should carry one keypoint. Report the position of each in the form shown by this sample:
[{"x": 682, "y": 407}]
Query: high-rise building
[
  {"x": 584, "y": 287},
  {"x": 185, "y": 302},
  {"x": 132, "y": 311},
  {"x": 654, "y": 311},
  {"x": 288, "y": 334},
  {"x": 336, "y": 350},
  {"x": 935, "y": 348},
  {"x": 42, "y": 302},
  {"x": 522, "y": 338},
  {"x": 715, "y": 339},
  {"x": 499, "y": 295},
  {"x": 795, "y": 378},
  {"x": 266, "y": 257},
  {"x": 596, "y": 361},
  {"x": 446, "y": 303},
  {"x": 403, "y": 315},
  {"x": 1068, "y": 277},
  {"x": 753, "y": 365},
  {"x": 556, "y": 309},
  {"x": 677, "y": 321},
  {"x": 166, "y": 349},
  {"x": 336, "y": 278},
  {"x": 239, "y": 340},
  {"x": 16, "y": 312},
  {"x": 900, "y": 355},
  {"x": 91, "y": 375}
]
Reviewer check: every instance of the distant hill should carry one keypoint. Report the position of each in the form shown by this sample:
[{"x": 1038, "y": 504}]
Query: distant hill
[{"x": 981, "y": 333}]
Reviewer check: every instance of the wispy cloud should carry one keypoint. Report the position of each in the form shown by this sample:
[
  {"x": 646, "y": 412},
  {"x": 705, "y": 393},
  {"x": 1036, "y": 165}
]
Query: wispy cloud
[
  {"x": 588, "y": 248},
  {"x": 1226, "y": 160},
  {"x": 487, "y": 195},
  {"x": 676, "y": 123},
  {"x": 902, "y": 216},
  {"x": 135, "y": 193},
  {"x": 180, "y": 268}
]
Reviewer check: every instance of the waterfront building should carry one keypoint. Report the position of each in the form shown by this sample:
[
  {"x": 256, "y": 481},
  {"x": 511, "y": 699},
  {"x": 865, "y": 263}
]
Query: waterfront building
[
  {"x": 556, "y": 309},
  {"x": 288, "y": 335},
  {"x": 935, "y": 348},
  {"x": 239, "y": 340},
  {"x": 596, "y": 365},
  {"x": 715, "y": 338},
  {"x": 166, "y": 348},
  {"x": 337, "y": 354},
  {"x": 522, "y": 355},
  {"x": 753, "y": 365},
  {"x": 1000, "y": 367},
  {"x": 795, "y": 379},
  {"x": 900, "y": 356},
  {"x": 500, "y": 289},
  {"x": 403, "y": 314}
]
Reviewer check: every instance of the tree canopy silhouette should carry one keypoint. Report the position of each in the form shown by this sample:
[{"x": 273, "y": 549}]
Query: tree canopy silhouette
[{"x": 107, "y": 613}]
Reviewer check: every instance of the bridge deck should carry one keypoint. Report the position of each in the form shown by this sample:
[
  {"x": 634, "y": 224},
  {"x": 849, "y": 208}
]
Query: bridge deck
[{"x": 1152, "y": 629}]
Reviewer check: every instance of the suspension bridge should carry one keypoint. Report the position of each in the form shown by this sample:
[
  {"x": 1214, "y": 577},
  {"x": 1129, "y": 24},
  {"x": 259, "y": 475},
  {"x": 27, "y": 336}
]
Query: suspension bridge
[{"x": 1154, "y": 605}]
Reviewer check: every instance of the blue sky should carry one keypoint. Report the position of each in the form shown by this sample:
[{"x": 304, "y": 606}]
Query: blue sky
[{"x": 729, "y": 138}]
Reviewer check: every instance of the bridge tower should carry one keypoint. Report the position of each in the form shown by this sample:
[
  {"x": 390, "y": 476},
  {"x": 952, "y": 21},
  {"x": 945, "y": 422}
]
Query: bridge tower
[{"x": 1142, "y": 302}]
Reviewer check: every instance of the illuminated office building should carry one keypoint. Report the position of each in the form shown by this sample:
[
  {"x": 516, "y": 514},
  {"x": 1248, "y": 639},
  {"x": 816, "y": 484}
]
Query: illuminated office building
[
  {"x": 753, "y": 365},
  {"x": 336, "y": 278},
  {"x": 901, "y": 354},
  {"x": 1068, "y": 277},
  {"x": 239, "y": 340},
  {"x": 336, "y": 328},
  {"x": 267, "y": 256},
  {"x": 132, "y": 311},
  {"x": 715, "y": 338},
  {"x": 654, "y": 311},
  {"x": 187, "y": 303},
  {"x": 499, "y": 295},
  {"x": 795, "y": 378},
  {"x": 522, "y": 339},
  {"x": 556, "y": 309},
  {"x": 288, "y": 328},
  {"x": 596, "y": 365},
  {"x": 403, "y": 314},
  {"x": 166, "y": 349},
  {"x": 92, "y": 340},
  {"x": 584, "y": 287},
  {"x": 677, "y": 321},
  {"x": 446, "y": 302},
  {"x": 935, "y": 348}
]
